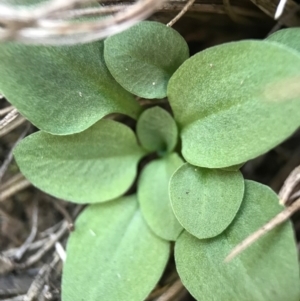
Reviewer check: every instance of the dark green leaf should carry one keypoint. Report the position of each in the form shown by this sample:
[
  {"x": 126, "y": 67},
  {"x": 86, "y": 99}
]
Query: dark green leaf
[
  {"x": 289, "y": 37},
  {"x": 232, "y": 101},
  {"x": 112, "y": 255},
  {"x": 266, "y": 271},
  {"x": 62, "y": 90},
  {"x": 205, "y": 201},
  {"x": 153, "y": 195},
  {"x": 157, "y": 130},
  {"x": 143, "y": 58},
  {"x": 96, "y": 165}
]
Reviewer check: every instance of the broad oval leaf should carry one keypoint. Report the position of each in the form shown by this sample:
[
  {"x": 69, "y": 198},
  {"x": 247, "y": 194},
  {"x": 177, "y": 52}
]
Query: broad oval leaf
[
  {"x": 205, "y": 201},
  {"x": 62, "y": 90},
  {"x": 157, "y": 130},
  {"x": 96, "y": 165},
  {"x": 143, "y": 58},
  {"x": 112, "y": 255},
  {"x": 232, "y": 101},
  {"x": 289, "y": 37},
  {"x": 267, "y": 270},
  {"x": 153, "y": 195}
]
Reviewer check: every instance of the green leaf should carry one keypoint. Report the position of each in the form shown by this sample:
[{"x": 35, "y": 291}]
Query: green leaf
[
  {"x": 96, "y": 165},
  {"x": 232, "y": 101},
  {"x": 112, "y": 255},
  {"x": 289, "y": 37},
  {"x": 234, "y": 167},
  {"x": 205, "y": 201},
  {"x": 157, "y": 130},
  {"x": 153, "y": 195},
  {"x": 267, "y": 270},
  {"x": 143, "y": 58},
  {"x": 62, "y": 90}
]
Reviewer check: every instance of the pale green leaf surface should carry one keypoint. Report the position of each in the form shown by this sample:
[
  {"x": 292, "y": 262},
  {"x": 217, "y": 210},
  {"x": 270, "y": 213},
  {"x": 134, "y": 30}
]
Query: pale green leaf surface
[
  {"x": 205, "y": 201},
  {"x": 231, "y": 101},
  {"x": 267, "y": 271},
  {"x": 96, "y": 165},
  {"x": 112, "y": 255},
  {"x": 153, "y": 195},
  {"x": 62, "y": 90},
  {"x": 157, "y": 130},
  {"x": 289, "y": 37},
  {"x": 143, "y": 58}
]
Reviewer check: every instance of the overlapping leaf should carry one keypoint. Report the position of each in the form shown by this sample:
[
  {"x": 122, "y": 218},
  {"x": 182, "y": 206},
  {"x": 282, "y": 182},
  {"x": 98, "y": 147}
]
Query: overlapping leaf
[
  {"x": 113, "y": 255},
  {"x": 289, "y": 37},
  {"x": 232, "y": 100},
  {"x": 153, "y": 195},
  {"x": 205, "y": 201},
  {"x": 157, "y": 130},
  {"x": 96, "y": 165},
  {"x": 62, "y": 90},
  {"x": 143, "y": 58},
  {"x": 267, "y": 270}
]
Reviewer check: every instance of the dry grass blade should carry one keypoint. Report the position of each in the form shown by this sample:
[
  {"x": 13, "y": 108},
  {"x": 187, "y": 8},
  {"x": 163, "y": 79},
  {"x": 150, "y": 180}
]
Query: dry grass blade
[
  {"x": 7, "y": 191},
  {"x": 5, "y": 110},
  {"x": 11, "y": 125},
  {"x": 289, "y": 185},
  {"x": 40, "y": 26},
  {"x": 273, "y": 223},
  {"x": 172, "y": 291},
  {"x": 280, "y": 9},
  {"x": 13, "y": 114}
]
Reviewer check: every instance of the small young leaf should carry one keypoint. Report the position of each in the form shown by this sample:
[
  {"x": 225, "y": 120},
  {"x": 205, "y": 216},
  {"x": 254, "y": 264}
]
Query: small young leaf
[
  {"x": 232, "y": 100},
  {"x": 96, "y": 165},
  {"x": 205, "y": 201},
  {"x": 112, "y": 255},
  {"x": 153, "y": 195},
  {"x": 289, "y": 37},
  {"x": 62, "y": 90},
  {"x": 143, "y": 58},
  {"x": 267, "y": 270},
  {"x": 157, "y": 130}
]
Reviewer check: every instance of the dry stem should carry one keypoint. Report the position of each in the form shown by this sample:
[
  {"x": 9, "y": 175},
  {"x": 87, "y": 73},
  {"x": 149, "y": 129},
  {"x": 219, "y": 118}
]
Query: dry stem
[{"x": 181, "y": 13}]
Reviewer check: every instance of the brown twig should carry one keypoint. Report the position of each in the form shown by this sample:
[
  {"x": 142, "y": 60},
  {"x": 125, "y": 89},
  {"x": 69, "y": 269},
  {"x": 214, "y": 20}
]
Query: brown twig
[
  {"x": 181, "y": 13},
  {"x": 276, "y": 221}
]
